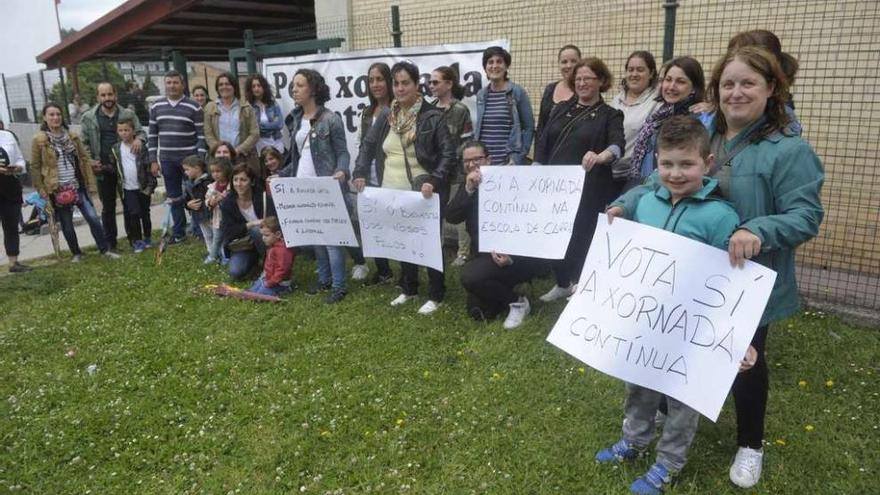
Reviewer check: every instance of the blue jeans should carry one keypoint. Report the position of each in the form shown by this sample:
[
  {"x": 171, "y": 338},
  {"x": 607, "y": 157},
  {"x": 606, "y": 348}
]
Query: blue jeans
[
  {"x": 172, "y": 171},
  {"x": 260, "y": 288},
  {"x": 241, "y": 262},
  {"x": 331, "y": 266},
  {"x": 64, "y": 215}
]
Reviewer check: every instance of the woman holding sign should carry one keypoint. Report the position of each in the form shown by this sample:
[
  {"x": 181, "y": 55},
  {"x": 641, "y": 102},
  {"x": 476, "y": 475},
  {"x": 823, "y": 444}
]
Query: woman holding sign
[
  {"x": 412, "y": 150},
  {"x": 318, "y": 149},
  {"x": 488, "y": 278},
  {"x": 773, "y": 178},
  {"x": 587, "y": 131}
]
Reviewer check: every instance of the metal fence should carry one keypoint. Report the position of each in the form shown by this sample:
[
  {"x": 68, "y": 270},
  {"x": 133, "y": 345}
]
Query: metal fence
[
  {"x": 25, "y": 94},
  {"x": 837, "y": 43}
]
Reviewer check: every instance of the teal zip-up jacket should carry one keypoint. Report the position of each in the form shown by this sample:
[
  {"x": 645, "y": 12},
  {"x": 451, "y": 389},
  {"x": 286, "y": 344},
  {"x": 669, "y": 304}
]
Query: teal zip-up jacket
[
  {"x": 703, "y": 216},
  {"x": 774, "y": 185}
]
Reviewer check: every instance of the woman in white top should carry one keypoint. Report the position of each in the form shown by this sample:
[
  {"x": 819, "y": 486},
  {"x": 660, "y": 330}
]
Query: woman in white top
[{"x": 637, "y": 100}]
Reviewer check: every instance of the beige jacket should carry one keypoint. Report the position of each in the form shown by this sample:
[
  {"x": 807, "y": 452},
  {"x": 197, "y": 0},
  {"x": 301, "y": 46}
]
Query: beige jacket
[{"x": 44, "y": 165}]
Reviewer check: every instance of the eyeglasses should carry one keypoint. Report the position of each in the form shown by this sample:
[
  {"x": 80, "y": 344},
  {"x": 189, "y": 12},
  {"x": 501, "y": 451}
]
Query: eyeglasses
[
  {"x": 474, "y": 161},
  {"x": 586, "y": 79},
  {"x": 434, "y": 82}
]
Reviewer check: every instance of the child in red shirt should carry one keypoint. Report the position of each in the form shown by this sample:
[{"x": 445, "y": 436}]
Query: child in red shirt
[{"x": 278, "y": 262}]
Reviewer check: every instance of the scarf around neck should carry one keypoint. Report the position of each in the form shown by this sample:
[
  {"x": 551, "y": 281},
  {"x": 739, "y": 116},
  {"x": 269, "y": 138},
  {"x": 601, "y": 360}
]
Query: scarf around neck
[
  {"x": 652, "y": 126},
  {"x": 403, "y": 122}
]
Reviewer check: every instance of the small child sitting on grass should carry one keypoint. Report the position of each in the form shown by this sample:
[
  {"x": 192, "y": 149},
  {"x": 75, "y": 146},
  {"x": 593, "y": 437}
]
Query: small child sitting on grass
[
  {"x": 195, "y": 187},
  {"x": 689, "y": 204},
  {"x": 278, "y": 261}
]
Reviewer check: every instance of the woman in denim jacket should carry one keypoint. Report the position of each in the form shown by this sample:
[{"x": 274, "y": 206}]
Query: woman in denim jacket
[
  {"x": 267, "y": 110},
  {"x": 504, "y": 114},
  {"x": 318, "y": 149}
]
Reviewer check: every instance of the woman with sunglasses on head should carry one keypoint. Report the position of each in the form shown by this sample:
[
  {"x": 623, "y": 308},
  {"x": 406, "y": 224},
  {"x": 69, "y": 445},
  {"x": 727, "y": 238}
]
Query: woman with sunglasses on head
[
  {"x": 412, "y": 151},
  {"x": 448, "y": 93}
]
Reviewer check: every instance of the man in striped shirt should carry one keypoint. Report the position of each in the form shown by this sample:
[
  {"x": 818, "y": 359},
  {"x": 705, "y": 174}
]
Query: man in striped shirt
[{"x": 176, "y": 131}]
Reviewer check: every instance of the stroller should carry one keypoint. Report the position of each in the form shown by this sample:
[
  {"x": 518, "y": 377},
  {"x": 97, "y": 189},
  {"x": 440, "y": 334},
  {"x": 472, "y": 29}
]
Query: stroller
[{"x": 38, "y": 216}]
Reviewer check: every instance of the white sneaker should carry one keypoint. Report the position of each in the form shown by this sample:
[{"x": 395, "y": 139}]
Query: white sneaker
[
  {"x": 359, "y": 272},
  {"x": 429, "y": 307},
  {"x": 745, "y": 472},
  {"x": 557, "y": 292},
  {"x": 401, "y": 299},
  {"x": 112, "y": 255},
  {"x": 518, "y": 312},
  {"x": 76, "y": 258}
]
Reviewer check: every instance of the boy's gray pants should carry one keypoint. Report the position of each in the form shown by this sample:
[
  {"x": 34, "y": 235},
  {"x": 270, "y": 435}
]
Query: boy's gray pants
[{"x": 678, "y": 432}]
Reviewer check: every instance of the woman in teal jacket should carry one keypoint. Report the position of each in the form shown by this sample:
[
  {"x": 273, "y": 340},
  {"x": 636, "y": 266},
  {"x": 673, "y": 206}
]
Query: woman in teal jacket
[{"x": 773, "y": 179}]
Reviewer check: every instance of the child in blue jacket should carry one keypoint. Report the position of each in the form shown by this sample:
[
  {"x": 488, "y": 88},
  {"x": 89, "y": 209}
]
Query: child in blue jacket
[{"x": 687, "y": 203}]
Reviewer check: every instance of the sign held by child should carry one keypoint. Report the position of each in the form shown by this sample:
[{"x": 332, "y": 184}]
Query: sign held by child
[
  {"x": 312, "y": 212},
  {"x": 665, "y": 312}
]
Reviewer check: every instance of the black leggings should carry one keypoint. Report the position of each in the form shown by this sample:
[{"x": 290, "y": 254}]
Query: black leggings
[
  {"x": 10, "y": 213},
  {"x": 750, "y": 390}
]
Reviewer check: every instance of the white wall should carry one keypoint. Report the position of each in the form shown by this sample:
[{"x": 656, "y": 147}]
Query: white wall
[{"x": 29, "y": 28}]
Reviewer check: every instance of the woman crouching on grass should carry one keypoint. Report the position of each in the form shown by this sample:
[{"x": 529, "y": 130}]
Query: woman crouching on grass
[{"x": 240, "y": 220}]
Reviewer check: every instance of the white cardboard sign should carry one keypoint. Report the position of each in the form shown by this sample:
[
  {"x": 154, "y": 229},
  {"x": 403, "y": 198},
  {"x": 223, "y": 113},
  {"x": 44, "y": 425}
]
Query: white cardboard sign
[
  {"x": 665, "y": 312},
  {"x": 529, "y": 211},
  {"x": 312, "y": 212},
  {"x": 400, "y": 225}
]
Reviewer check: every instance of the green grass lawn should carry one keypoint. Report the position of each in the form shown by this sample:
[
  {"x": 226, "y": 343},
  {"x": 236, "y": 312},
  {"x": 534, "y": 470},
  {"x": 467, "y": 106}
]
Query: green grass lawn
[{"x": 196, "y": 394}]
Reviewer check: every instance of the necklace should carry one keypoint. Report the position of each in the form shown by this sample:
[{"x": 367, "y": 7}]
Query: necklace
[{"x": 579, "y": 108}]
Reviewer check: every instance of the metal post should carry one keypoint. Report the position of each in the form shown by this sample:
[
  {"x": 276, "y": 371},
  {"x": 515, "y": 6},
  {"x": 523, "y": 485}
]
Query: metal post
[
  {"x": 31, "y": 90},
  {"x": 395, "y": 25},
  {"x": 6, "y": 95},
  {"x": 63, "y": 95},
  {"x": 43, "y": 82},
  {"x": 670, "y": 7},
  {"x": 180, "y": 66},
  {"x": 104, "y": 72},
  {"x": 250, "y": 51},
  {"x": 131, "y": 71},
  {"x": 233, "y": 65}
]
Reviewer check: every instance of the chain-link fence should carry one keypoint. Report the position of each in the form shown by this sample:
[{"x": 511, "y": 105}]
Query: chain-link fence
[
  {"x": 837, "y": 43},
  {"x": 25, "y": 94}
]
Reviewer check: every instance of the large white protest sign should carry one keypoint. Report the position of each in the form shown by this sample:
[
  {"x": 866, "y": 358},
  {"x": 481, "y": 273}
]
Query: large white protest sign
[
  {"x": 311, "y": 211},
  {"x": 346, "y": 74},
  {"x": 529, "y": 211},
  {"x": 400, "y": 225},
  {"x": 664, "y": 312}
]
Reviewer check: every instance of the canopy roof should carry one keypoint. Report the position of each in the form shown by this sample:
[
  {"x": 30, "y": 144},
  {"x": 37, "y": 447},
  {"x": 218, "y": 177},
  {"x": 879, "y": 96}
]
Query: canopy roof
[{"x": 202, "y": 30}]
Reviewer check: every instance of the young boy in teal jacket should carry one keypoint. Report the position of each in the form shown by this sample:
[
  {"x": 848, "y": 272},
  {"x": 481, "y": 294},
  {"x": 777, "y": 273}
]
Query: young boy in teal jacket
[{"x": 687, "y": 204}]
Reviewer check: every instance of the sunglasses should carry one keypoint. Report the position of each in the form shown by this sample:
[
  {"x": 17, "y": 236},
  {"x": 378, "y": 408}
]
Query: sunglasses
[{"x": 435, "y": 82}]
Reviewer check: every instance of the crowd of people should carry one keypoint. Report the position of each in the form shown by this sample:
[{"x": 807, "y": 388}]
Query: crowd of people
[{"x": 722, "y": 163}]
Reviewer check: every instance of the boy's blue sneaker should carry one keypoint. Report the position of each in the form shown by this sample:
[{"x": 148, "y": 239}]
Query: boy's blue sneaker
[
  {"x": 653, "y": 482},
  {"x": 138, "y": 247},
  {"x": 619, "y": 452},
  {"x": 148, "y": 243}
]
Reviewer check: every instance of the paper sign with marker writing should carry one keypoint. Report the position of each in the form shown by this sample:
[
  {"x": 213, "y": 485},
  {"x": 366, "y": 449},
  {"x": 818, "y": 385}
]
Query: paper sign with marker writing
[
  {"x": 665, "y": 312},
  {"x": 311, "y": 212},
  {"x": 529, "y": 211},
  {"x": 400, "y": 225}
]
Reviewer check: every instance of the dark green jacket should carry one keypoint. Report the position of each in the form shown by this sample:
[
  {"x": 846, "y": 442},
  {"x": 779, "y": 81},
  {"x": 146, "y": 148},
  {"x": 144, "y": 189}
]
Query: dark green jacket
[{"x": 146, "y": 181}]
